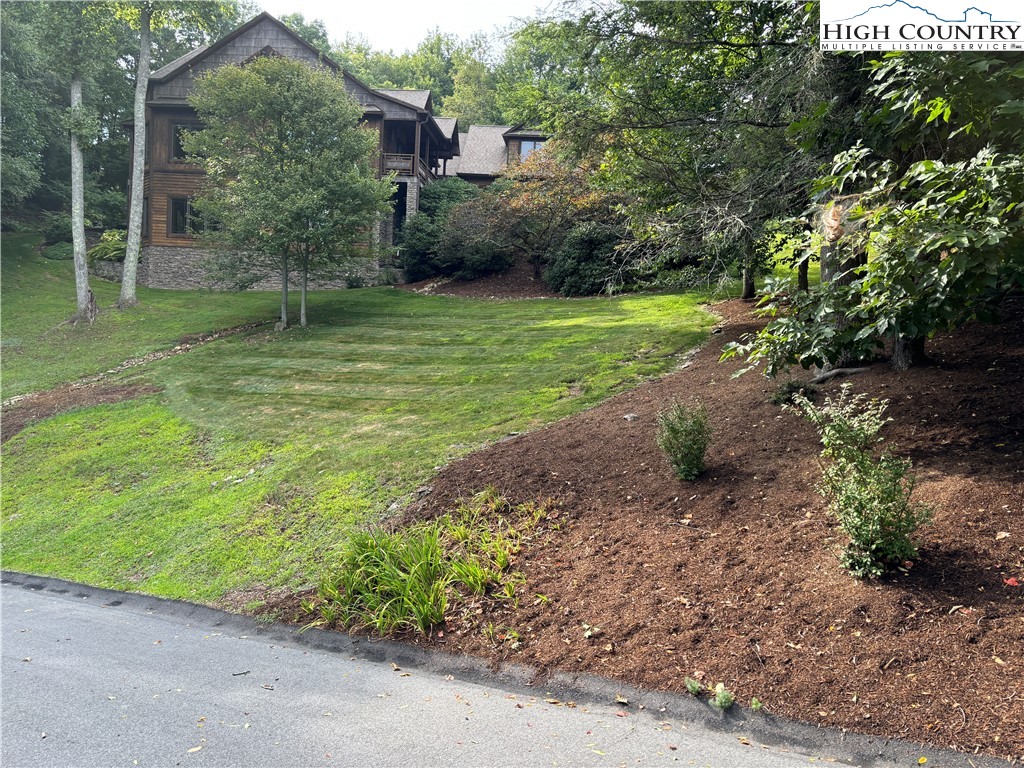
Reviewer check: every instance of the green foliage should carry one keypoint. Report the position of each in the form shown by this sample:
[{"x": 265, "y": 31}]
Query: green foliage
[
  {"x": 59, "y": 251},
  {"x": 408, "y": 579},
  {"x": 105, "y": 207},
  {"x": 469, "y": 246},
  {"x": 584, "y": 265},
  {"x": 869, "y": 495},
  {"x": 756, "y": 704},
  {"x": 684, "y": 435},
  {"x": 288, "y": 173},
  {"x": 421, "y": 234},
  {"x": 722, "y": 698},
  {"x": 790, "y": 388},
  {"x": 112, "y": 246},
  {"x": 313, "y": 31},
  {"x": 693, "y": 686},
  {"x": 57, "y": 227},
  {"x": 926, "y": 229}
]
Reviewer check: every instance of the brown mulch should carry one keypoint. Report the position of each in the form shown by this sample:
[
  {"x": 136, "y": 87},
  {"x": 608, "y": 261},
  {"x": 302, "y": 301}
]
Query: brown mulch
[
  {"x": 518, "y": 282},
  {"x": 734, "y": 578}
]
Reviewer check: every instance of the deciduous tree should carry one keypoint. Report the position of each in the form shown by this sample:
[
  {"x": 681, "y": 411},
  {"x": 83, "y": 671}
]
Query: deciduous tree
[{"x": 289, "y": 181}]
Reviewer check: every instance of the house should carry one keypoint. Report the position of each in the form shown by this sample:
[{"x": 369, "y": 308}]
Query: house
[
  {"x": 487, "y": 150},
  {"x": 412, "y": 143}
]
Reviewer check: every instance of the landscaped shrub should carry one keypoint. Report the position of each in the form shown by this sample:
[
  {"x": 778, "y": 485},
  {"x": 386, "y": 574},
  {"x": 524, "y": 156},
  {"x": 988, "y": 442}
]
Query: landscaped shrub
[
  {"x": 868, "y": 494},
  {"x": 420, "y": 237},
  {"x": 57, "y": 228},
  {"x": 585, "y": 262},
  {"x": 105, "y": 207},
  {"x": 684, "y": 435},
  {"x": 406, "y": 580},
  {"x": 59, "y": 251},
  {"x": 112, "y": 246}
]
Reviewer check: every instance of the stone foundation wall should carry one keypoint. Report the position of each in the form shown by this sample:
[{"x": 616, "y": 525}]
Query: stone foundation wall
[{"x": 184, "y": 269}]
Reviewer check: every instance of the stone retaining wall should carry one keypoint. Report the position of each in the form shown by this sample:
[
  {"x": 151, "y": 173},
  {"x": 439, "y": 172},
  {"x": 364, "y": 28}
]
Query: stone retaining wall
[{"x": 183, "y": 269}]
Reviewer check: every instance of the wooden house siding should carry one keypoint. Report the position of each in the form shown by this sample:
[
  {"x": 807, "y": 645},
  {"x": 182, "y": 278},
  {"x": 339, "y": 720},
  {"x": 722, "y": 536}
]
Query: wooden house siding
[{"x": 244, "y": 47}]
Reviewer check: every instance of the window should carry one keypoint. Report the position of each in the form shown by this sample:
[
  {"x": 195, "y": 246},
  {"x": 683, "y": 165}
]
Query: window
[
  {"x": 177, "y": 151},
  {"x": 528, "y": 146},
  {"x": 182, "y": 221}
]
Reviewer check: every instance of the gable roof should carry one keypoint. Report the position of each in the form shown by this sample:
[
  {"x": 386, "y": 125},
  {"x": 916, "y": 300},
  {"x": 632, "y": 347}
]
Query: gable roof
[
  {"x": 447, "y": 126},
  {"x": 179, "y": 65},
  {"x": 414, "y": 98},
  {"x": 484, "y": 151}
]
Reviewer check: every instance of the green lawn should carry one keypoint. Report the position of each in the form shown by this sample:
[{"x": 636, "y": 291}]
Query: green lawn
[{"x": 265, "y": 449}]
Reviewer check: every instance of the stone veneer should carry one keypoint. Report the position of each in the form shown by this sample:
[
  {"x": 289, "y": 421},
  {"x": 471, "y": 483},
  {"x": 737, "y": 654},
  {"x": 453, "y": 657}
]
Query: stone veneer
[{"x": 175, "y": 267}]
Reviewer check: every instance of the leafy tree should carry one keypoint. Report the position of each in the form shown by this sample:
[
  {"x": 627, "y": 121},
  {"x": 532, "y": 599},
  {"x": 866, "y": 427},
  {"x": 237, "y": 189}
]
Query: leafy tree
[
  {"x": 474, "y": 97},
  {"x": 421, "y": 235},
  {"x": 692, "y": 105},
  {"x": 923, "y": 227},
  {"x": 289, "y": 180},
  {"x": 28, "y": 118}
]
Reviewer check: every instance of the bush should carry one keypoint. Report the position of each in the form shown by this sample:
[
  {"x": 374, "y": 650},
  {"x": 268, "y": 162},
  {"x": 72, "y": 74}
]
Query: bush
[
  {"x": 57, "y": 228},
  {"x": 868, "y": 495},
  {"x": 405, "y": 580},
  {"x": 469, "y": 247},
  {"x": 419, "y": 240},
  {"x": 684, "y": 434},
  {"x": 59, "y": 251},
  {"x": 585, "y": 262},
  {"x": 113, "y": 246},
  {"x": 106, "y": 207}
]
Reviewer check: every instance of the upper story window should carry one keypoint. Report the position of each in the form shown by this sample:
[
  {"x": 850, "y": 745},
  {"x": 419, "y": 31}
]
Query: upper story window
[
  {"x": 528, "y": 146},
  {"x": 177, "y": 150}
]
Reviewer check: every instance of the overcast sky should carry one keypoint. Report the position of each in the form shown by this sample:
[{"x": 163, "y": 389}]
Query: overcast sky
[{"x": 400, "y": 25}]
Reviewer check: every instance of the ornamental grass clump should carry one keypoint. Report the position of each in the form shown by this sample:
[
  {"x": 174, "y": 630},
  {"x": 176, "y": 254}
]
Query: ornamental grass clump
[
  {"x": 869, "y": 493},
  {"x": 684, "y": 434}
]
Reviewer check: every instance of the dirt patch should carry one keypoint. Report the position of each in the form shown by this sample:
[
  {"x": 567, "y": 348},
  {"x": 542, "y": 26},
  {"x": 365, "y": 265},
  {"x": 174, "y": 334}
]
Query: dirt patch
[
  {"x": 734, "y": 578},
  {"x": 518, "y": 282},
  {"x": 42, "y": 405},
  {"x": 21, "y": 410}
]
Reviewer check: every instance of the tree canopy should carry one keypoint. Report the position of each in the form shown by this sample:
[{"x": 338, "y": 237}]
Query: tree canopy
[{"x": 289, "y": 183}]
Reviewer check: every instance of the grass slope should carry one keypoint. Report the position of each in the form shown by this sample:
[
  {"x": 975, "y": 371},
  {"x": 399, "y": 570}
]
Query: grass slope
[{"x": 264, "y": 450}]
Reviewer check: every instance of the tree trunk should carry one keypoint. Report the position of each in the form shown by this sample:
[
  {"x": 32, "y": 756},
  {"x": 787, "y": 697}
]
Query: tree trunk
[
  {"x": 802, "y": 280},
  {"x": 283, "y": 323},
  {"x": 302, "y": 302},
  {"x": 749, "y": 289},
  {"x": 131, "y": 259},
  {"x": 82, "y": 292},
  {"x": 907, "y": 351}
]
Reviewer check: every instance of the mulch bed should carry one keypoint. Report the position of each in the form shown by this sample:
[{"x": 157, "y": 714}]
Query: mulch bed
[{"x": 734, "y": 578}]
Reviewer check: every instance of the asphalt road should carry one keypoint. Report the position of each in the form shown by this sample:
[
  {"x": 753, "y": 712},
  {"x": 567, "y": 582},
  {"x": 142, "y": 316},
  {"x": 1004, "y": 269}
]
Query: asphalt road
[{"x": 94, "y": 678}]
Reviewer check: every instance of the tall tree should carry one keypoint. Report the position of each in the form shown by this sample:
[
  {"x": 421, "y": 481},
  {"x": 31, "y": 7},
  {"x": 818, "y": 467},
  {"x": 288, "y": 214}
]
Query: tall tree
[
  {"x": 79, "y": 25},
  {"x": 29, "y": 103},
  {"x": 692, "y": 105},
  {"x": 144, "y": 15},
  {"x": 289, "y": 179}
]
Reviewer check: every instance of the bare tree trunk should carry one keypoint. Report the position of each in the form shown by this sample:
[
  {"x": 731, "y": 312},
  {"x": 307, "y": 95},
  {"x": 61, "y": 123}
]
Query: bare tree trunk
[
  {"x": 305, "y": 280},
  {"x": 82, "y": 292},
  {"x": 749, "y": 289},
  {"x": 907, "y": 351},
  {"x": 802, "y": 280},
  {"x": 131, "y": 259},
  {"x": 283, "y": 323}
]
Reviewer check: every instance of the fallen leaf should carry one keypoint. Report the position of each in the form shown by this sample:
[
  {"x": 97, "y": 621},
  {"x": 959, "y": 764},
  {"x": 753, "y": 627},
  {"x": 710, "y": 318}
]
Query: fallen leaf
[
  {"x": 1011, "y": 582},
  {"x": 922, "y": 760},
  {"x": 1002, "y": 535},
  {"x": 196, "y": 749},
  {"x": 621, "y": 714},
  {"x": 743, "y": 740},
  {"x": 621, "y": 700},
  {"x": 999, "y": 661}
]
